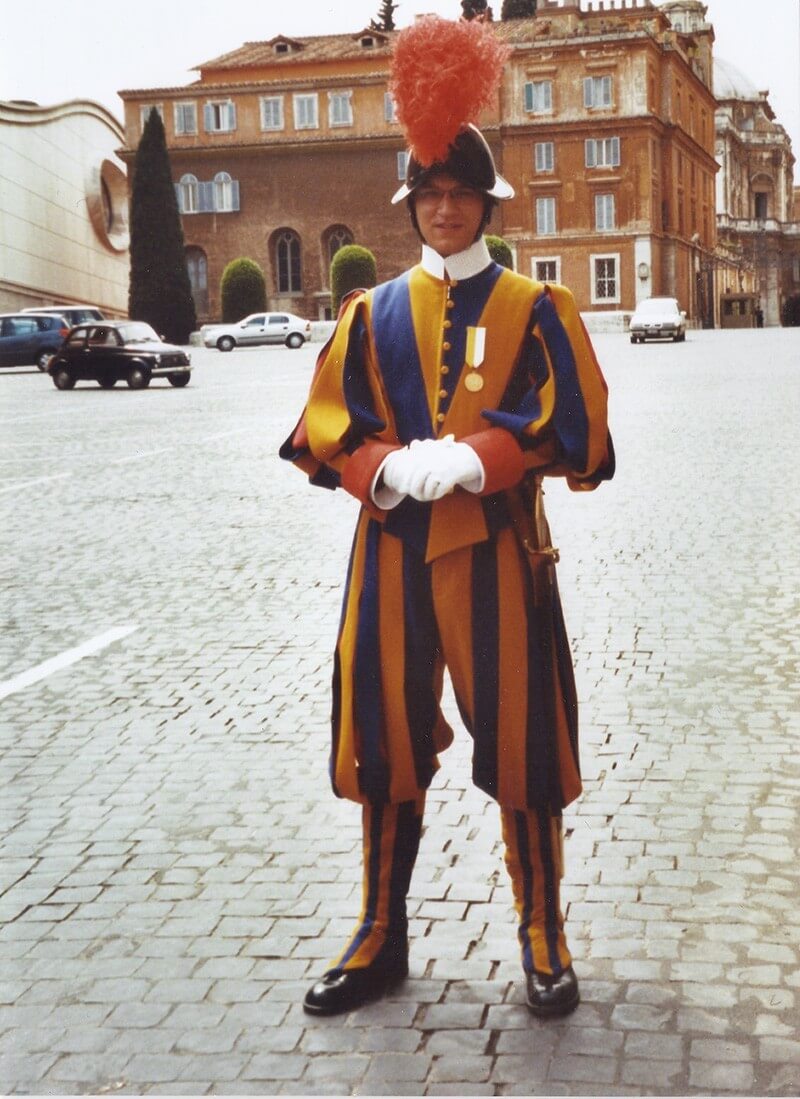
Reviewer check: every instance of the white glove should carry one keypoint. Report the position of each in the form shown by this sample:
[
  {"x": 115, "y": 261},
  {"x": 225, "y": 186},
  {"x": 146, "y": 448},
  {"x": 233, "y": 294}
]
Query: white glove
[
  {"x": 437, "y": 465},
  {"x": 393, "y": 476}
]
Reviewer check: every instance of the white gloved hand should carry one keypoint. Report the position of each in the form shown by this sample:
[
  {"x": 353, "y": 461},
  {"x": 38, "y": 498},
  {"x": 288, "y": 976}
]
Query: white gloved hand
[
  {"x": 436, "y": 466},
  {"x": 393, "y": 476}
]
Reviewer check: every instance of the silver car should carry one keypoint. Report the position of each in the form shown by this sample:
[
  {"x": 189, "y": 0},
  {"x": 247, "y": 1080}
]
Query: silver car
[
  {"x": 258, "y": 328},
  {"x": 658, "y": 319}
]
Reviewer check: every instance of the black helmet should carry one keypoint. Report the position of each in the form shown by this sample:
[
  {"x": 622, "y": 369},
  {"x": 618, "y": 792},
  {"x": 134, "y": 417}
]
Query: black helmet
[{"x": 469, "y": 159}]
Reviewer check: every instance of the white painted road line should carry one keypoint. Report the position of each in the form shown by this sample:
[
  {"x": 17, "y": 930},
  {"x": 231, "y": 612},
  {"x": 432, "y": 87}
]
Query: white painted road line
[{"x": 64, "y": 660}]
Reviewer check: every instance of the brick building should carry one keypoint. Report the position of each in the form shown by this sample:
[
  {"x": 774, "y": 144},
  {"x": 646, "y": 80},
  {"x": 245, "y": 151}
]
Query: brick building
[{"x": 285, "y": 149}]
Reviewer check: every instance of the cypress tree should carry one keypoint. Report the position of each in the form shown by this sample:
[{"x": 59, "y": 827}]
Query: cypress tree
[
  {"x": 500, "y": 251},
  {"x": 518, "y": 9},
  {"x": 160, "y": 292},
  {"x": 385, "y": 17},
  {"x": 473, "y": 8}
]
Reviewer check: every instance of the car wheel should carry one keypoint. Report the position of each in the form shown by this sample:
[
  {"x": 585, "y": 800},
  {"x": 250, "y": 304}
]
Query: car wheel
[
  {"x": 226, "y": 343},
  {"x": 43, "y": 358},
  {"x": 634, "y": 339},
  {"x": 63, "y": 378},
  {"x": 295, "y": 340},
  {"x": 138, "y": 378},
  {"x": 682, "y": 337},
  {"x": 178, "y": 380},
  {"x": 107, "y": 382}
]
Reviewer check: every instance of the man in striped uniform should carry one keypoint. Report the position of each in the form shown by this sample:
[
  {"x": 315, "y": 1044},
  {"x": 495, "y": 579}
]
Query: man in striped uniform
[{"x": 440, "y": 399}]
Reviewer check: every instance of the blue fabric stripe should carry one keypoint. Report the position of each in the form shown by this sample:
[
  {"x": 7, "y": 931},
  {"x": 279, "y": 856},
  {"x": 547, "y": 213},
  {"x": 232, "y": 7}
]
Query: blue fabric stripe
[
  {"x": 357, "y": 393},
  {"x": 422, "y": 648},
  {"x": 376, "y": 814},
  {"x": 550, "y": 892},
  {"x": 570, "y": 421},
  {"x": 485, "y": 671},
  {"x": 521, "y": 829},
  {"x": 398, "y": 359},
  {"x": 406, "y": 845},
  {"x": 373, "y": 772}
]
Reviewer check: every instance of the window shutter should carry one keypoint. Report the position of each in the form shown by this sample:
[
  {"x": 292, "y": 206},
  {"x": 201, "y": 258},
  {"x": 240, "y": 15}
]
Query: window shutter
[
  {"x": 234, "y": 194},
  {"x": 205, "y": 197},
  {"x": 179, "y": 196},
  {"x": 588, "y": 92},
  {"x": 208, "y": 118},
  {"x": 591, "y": 153},
  {"x": 231, "y": 116},
  {"x": 529, "y": 97},
  {"x": 615, "y": 154}
]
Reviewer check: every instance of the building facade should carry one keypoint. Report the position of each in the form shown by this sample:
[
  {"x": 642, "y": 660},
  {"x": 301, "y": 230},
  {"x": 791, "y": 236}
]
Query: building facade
[
  {"x": 604, "y": 123},
  {"x": 63, "y": 207}
]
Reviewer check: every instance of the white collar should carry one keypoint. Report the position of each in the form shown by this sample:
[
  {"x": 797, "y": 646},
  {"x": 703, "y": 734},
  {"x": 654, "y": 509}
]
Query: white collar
[{"x": 461, "y": 265}]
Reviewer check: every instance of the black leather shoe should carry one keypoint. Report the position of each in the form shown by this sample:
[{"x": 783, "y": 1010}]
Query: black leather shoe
[
  {"x": 346, "y": 989},
  {"x": 548, "y": 995}
]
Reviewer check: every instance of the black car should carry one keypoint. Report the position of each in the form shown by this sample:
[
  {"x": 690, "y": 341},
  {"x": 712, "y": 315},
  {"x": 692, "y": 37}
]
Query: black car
[
  {"x": 30, "y": 339},
  {"x": 115, "y": 350}
]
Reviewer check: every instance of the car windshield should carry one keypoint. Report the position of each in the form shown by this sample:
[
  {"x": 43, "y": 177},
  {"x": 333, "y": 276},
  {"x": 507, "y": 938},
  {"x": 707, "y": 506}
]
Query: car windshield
[
  {"x": 138, "y": 332},
  {"x": 657, "y": 305}
]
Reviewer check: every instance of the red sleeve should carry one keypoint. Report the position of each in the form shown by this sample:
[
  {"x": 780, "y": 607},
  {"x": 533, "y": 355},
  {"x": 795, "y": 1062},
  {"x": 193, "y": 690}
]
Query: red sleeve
[
  {"x": 501, "y": 456},
  {"x": 360, "y": 469}
]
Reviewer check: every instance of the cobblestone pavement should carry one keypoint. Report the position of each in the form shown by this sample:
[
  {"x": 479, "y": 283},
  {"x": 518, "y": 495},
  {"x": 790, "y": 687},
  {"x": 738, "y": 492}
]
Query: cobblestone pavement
[{"x": 174, "y": 869}]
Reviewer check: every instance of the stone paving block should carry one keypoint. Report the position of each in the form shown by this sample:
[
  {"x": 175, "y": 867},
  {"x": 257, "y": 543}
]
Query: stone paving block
[
  {"x": 737, "y": 1077},
  {"x": 779, "y": 1049},
  {"x": 463, "y": 1068},
  {"x": 397, "y": 1066},
  {"x": 389, "y": 1040},
  {"x": 451, "y": 1016},
  {"x": 275, "y": 1066},
  {"x": 658, "y": 1075}
]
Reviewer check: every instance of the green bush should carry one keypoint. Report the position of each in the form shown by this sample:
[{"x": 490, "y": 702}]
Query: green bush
[
  {"x": 518, "y": 9},
  {"x": 500, "y": 251},
  {"x": 352, "y": 268},
  {"x": 243, "y": 290}
]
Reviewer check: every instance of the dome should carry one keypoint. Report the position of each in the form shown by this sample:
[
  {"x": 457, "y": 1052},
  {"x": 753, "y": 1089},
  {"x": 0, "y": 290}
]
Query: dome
[{"x": 731, "y": 83}]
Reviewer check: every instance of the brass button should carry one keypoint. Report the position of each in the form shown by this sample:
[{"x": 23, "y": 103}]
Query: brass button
[
  {"x": 448, "y": 324},
  {"x": 445, "y": 346},
  {"x": 440, "y": 417},
  {"x": 445, "y": 369},
  {"x": 443, "y": 393},
  {"x": 450, "y": 304}
]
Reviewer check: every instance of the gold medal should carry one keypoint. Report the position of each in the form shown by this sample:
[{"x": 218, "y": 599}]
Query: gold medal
[{"x": 473, "y": 382}]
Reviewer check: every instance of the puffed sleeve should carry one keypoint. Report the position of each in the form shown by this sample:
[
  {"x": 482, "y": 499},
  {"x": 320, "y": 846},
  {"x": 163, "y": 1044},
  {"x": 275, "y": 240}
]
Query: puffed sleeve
[
  {"x": 556, "y": 404},
  {"x": 346, "y": 429}
]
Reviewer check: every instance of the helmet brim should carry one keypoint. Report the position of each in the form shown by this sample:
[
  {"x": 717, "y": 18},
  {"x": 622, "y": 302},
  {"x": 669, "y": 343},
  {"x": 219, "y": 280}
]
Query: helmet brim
[{"x": 502, "y": 189}]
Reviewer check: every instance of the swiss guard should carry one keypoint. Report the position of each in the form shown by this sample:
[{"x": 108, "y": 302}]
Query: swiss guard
[{"x": 440, "y": 402}]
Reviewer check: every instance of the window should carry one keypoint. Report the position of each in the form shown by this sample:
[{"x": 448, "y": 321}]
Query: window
[
  {"x": 185, "y": 118},
  {"x": 539, "y": 96},
  {"x": 547, "y": 269},
  {"x": 544, "y": 153},
  {"x": 288, "y": 263},
  {"x": 602, "y": 152},
  {"x": 389, "y": 108},
  {"x": 760, "y": 199},
  {"x": 545, "y": 216},
  {"x": 796, "y": 268},
  {"x": 306, "y": 111},
  {"x": 338, "y": 238},
  {"x": 197, "y": 266},
  {"x": 340, "y": 108},
  {"x": 605, "y": 279},
  {"x": 605, "y": 214},
  {"x": 272, "y": 112},
  {"x": 219, "y": 117},
  {"x": 144, "y": 113},
  {"x": 597, "y": 91},
  {"x": 226, "y": 193},
  {"x": 188, "y": 195},
  {"x": 402, "y": 164}
]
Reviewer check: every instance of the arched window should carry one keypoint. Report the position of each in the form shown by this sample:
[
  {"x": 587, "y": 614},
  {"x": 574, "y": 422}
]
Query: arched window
[
  {"x": 189, "y": 202},
  {"x": 197, "y": 266},
  {"x": 338, "y": 237},
  {"x": 223, "y": 191},
  {"x": 287, "y": 257}
]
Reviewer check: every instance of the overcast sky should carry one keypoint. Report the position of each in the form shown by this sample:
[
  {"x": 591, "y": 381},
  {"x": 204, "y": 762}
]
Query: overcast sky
[{"x": 52, "y": 50}]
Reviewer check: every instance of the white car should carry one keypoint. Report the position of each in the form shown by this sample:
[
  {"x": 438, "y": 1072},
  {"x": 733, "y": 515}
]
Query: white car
[
  {"x": 258, "y": 328},
  {"x": 658, "y": 319}
]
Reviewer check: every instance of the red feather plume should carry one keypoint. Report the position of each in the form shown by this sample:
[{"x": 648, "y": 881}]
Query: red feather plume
[{"x": 443, "y": 74}]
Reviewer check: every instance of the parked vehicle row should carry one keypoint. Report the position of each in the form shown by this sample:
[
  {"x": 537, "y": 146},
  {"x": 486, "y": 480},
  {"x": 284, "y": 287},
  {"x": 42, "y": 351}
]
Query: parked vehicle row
[{"x": 258, "y": 328}]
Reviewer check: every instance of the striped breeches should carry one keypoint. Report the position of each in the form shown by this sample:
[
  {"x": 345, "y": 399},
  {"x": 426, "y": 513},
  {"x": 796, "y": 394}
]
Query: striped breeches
[
  {"x": 471, "y": 611},
  {"x": 534, "y": 860}
]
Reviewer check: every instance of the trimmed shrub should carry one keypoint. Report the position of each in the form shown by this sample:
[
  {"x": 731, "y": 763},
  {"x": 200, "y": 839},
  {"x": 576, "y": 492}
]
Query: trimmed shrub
[
  {"x": 243, "y": 290},
  {"x": 500, "y": 251},
  {"x": 518, "y": 9},
  {"x": 352, "y": 268}
]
